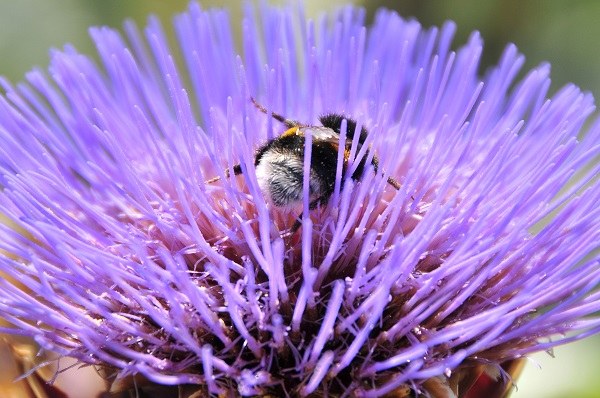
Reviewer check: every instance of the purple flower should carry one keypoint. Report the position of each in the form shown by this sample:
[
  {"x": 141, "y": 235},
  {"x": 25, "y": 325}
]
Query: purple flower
[{"x": 125, "y": 257}]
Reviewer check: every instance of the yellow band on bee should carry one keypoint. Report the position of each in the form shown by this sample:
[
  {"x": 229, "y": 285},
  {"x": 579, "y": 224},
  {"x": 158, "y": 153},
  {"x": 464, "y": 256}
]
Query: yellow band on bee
[{"x": 292, "y": 131}]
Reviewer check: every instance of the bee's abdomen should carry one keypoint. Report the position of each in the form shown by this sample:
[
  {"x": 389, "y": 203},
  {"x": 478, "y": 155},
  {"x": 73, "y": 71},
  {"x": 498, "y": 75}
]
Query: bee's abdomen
[
  {"x": 280, "y": 171},
  {"x": 280, "y": 179}
]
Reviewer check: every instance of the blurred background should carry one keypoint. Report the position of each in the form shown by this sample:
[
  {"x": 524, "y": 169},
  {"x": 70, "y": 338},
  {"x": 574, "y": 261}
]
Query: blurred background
[{"x": 566, "y": 34}]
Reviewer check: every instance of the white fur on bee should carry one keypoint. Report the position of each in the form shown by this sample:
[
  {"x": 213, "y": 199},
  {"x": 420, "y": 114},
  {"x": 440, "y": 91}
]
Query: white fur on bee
[{"x": 279, "y": 177}]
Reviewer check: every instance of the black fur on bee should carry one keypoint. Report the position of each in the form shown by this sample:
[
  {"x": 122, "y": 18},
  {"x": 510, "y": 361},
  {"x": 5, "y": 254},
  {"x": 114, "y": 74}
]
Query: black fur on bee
[{"x": 280, "y": 162}]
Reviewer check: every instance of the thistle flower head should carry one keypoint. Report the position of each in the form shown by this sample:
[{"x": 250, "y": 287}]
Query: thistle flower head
[{"x": 127, "y": 258}]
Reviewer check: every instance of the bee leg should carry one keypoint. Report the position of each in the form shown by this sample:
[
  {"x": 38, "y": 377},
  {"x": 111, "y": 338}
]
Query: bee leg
[
  {"x": 289, "y": 123},
  {"x": 298, "y": 223},
  {"x": 296, "y": 226},
  {"x": 237, "y": 170},
  {"x": 393, "y": 183}
]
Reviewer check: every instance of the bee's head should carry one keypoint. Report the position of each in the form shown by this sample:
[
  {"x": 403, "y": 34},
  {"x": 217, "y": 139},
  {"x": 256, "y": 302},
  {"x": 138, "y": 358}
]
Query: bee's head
[{"x": 334, "y": 122}]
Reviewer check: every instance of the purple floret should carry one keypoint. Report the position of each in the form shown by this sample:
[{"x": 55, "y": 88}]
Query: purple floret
[{"x": 119, "y": 254}]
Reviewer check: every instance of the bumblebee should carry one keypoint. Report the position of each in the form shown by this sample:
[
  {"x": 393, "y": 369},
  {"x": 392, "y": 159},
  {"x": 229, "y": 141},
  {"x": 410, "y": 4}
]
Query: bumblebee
[{"x": 280, "y": 162}]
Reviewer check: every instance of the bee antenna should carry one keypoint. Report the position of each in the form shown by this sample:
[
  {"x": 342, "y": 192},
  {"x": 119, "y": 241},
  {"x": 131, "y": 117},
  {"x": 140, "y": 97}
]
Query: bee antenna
[{"x": 289, "y": 123}]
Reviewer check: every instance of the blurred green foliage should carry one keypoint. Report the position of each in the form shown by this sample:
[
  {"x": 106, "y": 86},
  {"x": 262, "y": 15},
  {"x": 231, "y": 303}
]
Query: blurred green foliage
[
  {"x": 560, "y": 32},
  {"x": 564, "y": 33}
]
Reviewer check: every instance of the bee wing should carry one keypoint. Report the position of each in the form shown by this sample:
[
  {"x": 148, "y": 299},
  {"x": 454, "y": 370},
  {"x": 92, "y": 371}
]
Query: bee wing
[
  {"x": 329, "y": 136},
  {"x": 324, "y": 134}
]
